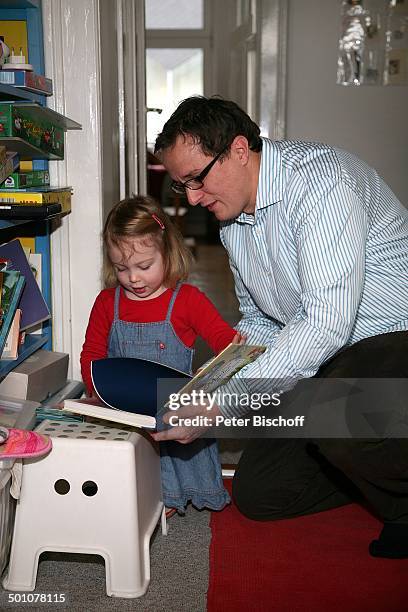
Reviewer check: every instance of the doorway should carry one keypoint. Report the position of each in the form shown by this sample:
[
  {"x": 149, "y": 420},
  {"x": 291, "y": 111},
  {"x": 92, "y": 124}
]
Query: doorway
[{"x": 196, "y": 47}]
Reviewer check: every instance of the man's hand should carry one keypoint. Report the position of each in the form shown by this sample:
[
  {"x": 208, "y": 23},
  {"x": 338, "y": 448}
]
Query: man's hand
[{"x": 184, "y": 433}]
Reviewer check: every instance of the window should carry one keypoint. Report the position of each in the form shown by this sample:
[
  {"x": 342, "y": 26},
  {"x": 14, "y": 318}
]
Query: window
[
  {"x": 177, "y": 57},
  {"x": 171, "y": 75},
  {"x": 174, "y": 14}
]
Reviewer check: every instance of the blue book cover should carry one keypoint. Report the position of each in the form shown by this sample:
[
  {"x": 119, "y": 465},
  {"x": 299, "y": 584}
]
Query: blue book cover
[
  {"x": 12, "y": 287},
  {"x": 133, "y": 391},
  {"x": 33, "y": 306},
  {"x": 130, "y": 384},
  {"x": 128, "y": 391}
]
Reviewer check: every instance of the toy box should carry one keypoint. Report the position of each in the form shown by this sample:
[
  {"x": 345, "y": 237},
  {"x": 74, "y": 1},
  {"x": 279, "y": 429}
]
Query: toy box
[
  {"x": 37, "y": 377},
  {"x": 35, "y": 126},
  {"x": 20, "y": 180},
  {"x": 26, "y": 79}
]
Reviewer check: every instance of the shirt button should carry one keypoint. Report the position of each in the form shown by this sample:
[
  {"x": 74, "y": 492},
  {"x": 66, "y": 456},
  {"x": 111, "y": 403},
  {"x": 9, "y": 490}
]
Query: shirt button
[{"x": 162, "y": 346}]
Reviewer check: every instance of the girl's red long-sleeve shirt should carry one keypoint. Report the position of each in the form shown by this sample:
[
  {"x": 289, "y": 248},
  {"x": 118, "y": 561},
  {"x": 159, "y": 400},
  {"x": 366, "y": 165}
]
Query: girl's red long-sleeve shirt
[{"x": 193, "y": 315}]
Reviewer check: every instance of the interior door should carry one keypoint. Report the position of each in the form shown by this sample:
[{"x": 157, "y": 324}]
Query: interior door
[
  {"x": 243, "y": 82},
  {"x": 132, "y": 97}
]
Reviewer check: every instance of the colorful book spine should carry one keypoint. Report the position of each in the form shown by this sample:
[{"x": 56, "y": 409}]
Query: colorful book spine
[
  {"x": 10, "y": 350},
  {"x": 33, "y": 306},
  {"x": 13, "y": 285}
]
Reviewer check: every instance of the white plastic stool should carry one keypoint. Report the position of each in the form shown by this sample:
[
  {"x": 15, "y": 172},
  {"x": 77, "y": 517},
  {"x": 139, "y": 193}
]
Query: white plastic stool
[{"x": 97, "y": 492}]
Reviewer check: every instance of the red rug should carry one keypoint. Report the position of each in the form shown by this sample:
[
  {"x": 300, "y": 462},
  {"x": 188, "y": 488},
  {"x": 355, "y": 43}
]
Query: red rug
[{"x": 316, "y": 563}]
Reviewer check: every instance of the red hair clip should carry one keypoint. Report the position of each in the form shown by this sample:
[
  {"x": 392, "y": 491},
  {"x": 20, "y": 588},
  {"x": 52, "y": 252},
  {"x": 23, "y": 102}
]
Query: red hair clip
[{"x": 159, "y": 221}]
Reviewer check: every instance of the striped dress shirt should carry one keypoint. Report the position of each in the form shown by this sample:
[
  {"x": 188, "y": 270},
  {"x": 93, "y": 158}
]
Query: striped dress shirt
[{"x": 321, "y": 264}]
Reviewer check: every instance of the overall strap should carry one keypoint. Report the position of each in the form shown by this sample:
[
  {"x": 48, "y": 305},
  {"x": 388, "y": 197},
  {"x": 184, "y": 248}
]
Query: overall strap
[
  {"x": 173, "y": 299},
  {"x": 116, "y": 305}
]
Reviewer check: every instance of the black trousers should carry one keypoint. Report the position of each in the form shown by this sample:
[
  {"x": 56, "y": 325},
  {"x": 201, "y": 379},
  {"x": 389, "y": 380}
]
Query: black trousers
[{"x": 283, "y": 478}]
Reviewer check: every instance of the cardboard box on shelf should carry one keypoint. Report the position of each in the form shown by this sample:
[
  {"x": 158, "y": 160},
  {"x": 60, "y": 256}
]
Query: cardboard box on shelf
[
  {"x": 40, "y": 375},
  {"x": 22, "y": 180},
  {"x": 26, "y": 79},
  {"x": 30, "y": 124}
]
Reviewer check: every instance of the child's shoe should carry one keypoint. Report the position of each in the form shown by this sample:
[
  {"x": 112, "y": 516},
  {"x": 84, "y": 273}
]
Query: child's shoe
[{"x": 20, "y": 444}]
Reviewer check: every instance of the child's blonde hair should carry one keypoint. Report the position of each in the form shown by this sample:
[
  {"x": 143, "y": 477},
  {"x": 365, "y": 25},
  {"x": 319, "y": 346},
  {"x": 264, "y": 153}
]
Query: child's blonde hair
[{"x": 142, "y": 217}]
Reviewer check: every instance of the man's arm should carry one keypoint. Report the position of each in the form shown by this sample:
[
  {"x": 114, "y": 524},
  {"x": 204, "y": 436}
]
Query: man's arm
[{"x": 330, "y": 242}]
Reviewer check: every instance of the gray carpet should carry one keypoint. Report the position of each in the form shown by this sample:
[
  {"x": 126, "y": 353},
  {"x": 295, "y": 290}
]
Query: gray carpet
[
  {"x": 179, "y": 561},
  {"x": 179, "y": 574}
]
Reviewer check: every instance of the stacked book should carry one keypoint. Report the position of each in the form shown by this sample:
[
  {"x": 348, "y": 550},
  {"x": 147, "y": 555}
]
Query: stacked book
[
  {"x": 34, "y": 202},
  {"x": 22, "y": 305},
  {"x": 27, "y": 194}
]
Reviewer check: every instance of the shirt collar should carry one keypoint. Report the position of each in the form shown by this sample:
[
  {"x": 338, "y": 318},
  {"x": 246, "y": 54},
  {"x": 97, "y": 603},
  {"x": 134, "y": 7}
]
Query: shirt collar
[{"x": 270, "y": 187}]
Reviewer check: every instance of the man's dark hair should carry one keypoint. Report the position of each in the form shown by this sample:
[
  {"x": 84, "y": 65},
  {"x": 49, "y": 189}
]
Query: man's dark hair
[{"x": 212, "y": 122}]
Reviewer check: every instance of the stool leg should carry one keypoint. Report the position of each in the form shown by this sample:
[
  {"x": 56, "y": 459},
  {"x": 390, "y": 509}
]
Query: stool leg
[
  {"x": 22, "y": 571},
  {"x": 164, "y": 521},
  {"x": 125, "y": 568}
]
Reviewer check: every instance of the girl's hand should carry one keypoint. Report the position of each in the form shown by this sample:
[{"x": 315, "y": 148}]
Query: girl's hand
[{"x": 239, "y": 338}]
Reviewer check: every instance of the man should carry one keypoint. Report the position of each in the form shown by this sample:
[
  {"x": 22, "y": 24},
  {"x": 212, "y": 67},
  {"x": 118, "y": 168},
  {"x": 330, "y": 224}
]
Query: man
[{"x": 318, "y": 245}]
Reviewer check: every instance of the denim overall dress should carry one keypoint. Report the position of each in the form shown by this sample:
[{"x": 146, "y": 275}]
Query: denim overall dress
[{"x": 189, "y": 472}]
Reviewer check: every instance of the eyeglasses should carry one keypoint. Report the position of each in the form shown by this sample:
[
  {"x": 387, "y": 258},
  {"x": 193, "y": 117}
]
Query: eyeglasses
[{"x": 196, "y": 182}]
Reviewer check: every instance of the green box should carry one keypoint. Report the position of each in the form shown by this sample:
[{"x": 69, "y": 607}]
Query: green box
[
  {"x": 35, "y": 132},
  {"x": 22, "y": 180}
]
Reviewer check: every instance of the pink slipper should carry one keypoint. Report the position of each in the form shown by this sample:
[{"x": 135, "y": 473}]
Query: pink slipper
[{"x": 19, "y": 443}]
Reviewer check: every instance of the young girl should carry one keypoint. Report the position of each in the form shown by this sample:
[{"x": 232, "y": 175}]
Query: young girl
[{"x": 147, "y": 312}]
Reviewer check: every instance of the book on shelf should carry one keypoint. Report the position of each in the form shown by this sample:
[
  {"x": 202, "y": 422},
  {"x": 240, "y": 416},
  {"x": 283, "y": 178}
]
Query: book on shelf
[
  {"x": 120, "y": 400},
  {"x": 12, "y": 287},
  {"x": 33, "y": 306},
  {"x": 37, "y": 197},
  {"x": 17, "y": 211},
  {"x": 27, "y": 80},
  {"x": 10, "y": 350}
]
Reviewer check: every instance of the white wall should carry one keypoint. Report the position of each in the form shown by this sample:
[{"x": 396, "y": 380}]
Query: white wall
[
  {"x": 370, "y": 121},
  {"x": 74, "y": 32}
]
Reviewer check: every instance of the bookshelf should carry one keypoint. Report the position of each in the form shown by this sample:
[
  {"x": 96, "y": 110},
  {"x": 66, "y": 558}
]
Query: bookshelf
[
  {"x": 30, "y": 12},
  {"x": 9, "y": 93}
]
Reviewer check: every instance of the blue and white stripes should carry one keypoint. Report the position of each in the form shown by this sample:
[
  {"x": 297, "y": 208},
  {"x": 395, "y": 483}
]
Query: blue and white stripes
[{"x": 322, "y": 264}]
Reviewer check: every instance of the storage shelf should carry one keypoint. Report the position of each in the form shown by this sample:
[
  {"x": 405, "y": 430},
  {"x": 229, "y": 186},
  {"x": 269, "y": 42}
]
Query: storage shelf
[
  {"x": 32, "y": 343},
  {"x": 18, "y": 4},
  {"x": 7, "y": 223},
  {"x": 30, "y": 12},
  {"x": 9, "y": 93},
  {"x": 26, "y": 150},
  {"x": 43, "y": 112}
]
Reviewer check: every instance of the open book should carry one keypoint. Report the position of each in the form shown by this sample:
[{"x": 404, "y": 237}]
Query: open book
[{"x": 128, "y": 390}]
